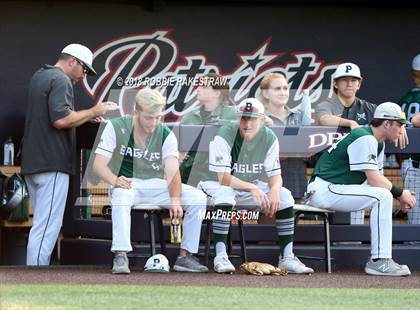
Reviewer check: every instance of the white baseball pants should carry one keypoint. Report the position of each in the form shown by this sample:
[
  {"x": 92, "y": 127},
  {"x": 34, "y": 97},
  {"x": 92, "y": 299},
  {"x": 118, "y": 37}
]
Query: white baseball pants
[
  {"x": 221, "y": 194},
  {"x": 155, "y": 192},
  {"x": 48, "y": 193},
  {"x": 359, "y": 197}
]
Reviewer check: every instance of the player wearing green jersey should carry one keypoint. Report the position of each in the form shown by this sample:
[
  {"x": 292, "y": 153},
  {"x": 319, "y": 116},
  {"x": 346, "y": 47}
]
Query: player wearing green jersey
[
  {"x": 245, "y": 158},
  {"x": 410, "y": 170},
  {"x": 349, "y": 177},
  {"x": 138, "y": 157}
]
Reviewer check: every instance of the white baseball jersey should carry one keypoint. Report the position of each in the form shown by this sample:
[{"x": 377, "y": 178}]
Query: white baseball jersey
[
  {"x": 130, "y": 160},
  {"x": 256, "y": 160}
]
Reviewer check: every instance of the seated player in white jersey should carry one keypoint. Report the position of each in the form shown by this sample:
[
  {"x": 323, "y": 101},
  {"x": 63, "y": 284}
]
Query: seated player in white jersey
[
  {"x": 138, "y": 157},
  {"x": 244, "y": 161},
  {"x": 349, "y": 177}
]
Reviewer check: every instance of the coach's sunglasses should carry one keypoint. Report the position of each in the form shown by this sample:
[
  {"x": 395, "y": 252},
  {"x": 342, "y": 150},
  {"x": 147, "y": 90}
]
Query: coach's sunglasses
[{"x": 85, "y": 68}]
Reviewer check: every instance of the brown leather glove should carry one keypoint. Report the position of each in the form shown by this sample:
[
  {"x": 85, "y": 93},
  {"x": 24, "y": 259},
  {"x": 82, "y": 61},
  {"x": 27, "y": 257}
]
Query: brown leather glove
[{"x": 260, "y": 269}]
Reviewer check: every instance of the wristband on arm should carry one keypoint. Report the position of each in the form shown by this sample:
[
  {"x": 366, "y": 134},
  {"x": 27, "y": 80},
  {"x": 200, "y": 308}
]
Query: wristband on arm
[{"x": 396, "y": 191}]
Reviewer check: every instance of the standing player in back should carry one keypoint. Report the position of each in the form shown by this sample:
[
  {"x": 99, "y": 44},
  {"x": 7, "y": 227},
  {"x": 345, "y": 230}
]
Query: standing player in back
[
  {"x": 410, "y": 171},
  {"x": 349, "y": 177}
]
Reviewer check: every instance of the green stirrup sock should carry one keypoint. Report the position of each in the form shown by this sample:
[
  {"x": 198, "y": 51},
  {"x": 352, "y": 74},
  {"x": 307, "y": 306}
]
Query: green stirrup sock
[
  {"x": 221, "y": 225},
  {"x": 285, "y": 225}
]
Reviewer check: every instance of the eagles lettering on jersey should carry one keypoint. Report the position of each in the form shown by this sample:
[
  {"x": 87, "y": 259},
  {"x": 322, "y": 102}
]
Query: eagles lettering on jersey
[
  {"x": 139, "y": 153},
  {"x": 246, "y": 161},
  {"x": 246, "y": 168},
  {"x": 131, "y": 161},
  {"x": 344, "y": 161}
]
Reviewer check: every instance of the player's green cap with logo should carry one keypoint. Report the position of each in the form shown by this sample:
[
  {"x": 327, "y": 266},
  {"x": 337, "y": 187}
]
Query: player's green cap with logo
[{"x": 390, "y": 111}]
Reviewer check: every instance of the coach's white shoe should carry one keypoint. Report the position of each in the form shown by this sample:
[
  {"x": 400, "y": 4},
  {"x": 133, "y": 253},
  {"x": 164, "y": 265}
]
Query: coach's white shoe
[
  {"x": 222, "y": 264},
  {"x": 120, "y": 265},
  {"x": 293, "y": 265},
  {"x": 386, "y": 267}
]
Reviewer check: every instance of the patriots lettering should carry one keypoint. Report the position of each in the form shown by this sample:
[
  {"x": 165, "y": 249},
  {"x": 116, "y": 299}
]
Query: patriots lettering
[{"x": 119, "y": 80}]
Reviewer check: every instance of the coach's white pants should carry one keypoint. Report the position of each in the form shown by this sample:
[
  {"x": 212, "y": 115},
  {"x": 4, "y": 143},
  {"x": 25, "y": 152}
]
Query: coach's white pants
[
  {"x": 155, "y": 192},
  {"x": 221, "y": 194},
  {"x": 48, "y": 193},
  {"x": 359, "y": 197}
]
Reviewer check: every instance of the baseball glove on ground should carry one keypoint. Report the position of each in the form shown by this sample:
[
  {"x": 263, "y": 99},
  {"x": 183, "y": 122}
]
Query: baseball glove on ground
[{"x": 260, "y": 269}]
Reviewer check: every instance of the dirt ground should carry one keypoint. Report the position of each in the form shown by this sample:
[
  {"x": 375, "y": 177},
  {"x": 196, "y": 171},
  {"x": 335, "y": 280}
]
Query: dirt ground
[{"x": 102, "y": 275}]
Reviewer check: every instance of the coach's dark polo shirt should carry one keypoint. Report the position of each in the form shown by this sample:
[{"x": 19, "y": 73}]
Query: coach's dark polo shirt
[{"x": 46, "y": 148}]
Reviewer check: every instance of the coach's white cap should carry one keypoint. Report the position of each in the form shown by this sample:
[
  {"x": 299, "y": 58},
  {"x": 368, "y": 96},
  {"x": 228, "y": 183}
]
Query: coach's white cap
[
  {"x": 390, "y": 111},
  {"x": 250, "y": 107},
  {"x": 82, "y": 53},
  {"x": 347, "y": 69},
  {"x": 416, "y": 63}
]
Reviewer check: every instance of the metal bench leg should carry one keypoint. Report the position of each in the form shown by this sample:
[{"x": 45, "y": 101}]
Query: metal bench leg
[
  {"x": 208, "y": 242},
  {"x": 152, "y": 232},
  {"x": 0, "y": 245},
  {"x": 229, "y": 240},
  {"x": 327, "y": 244},
  {"x": 161, "y": 233},
  {"x": 242, "y": 240},
  {"x": 297, "y": 214}
]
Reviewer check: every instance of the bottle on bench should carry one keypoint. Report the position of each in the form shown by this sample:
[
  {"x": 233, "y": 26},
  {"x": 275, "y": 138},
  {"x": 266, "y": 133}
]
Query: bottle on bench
[{"x": 176, "y": 233}]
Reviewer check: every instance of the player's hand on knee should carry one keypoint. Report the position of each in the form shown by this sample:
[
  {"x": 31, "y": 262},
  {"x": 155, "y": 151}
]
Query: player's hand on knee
[
  {"x": 261, "y": 199},
  {"x": 273, "y": 207},
  {"x": 274, "y": 202},
  {"x": 123, "y": 182},
  {"x": 407, "y": 200},
  {"x": 176, "y": 211}
]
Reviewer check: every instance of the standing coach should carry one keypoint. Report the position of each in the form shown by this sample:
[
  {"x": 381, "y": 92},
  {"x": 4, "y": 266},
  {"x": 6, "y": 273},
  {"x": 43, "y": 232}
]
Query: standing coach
[{"x": 48, "y": 155}]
